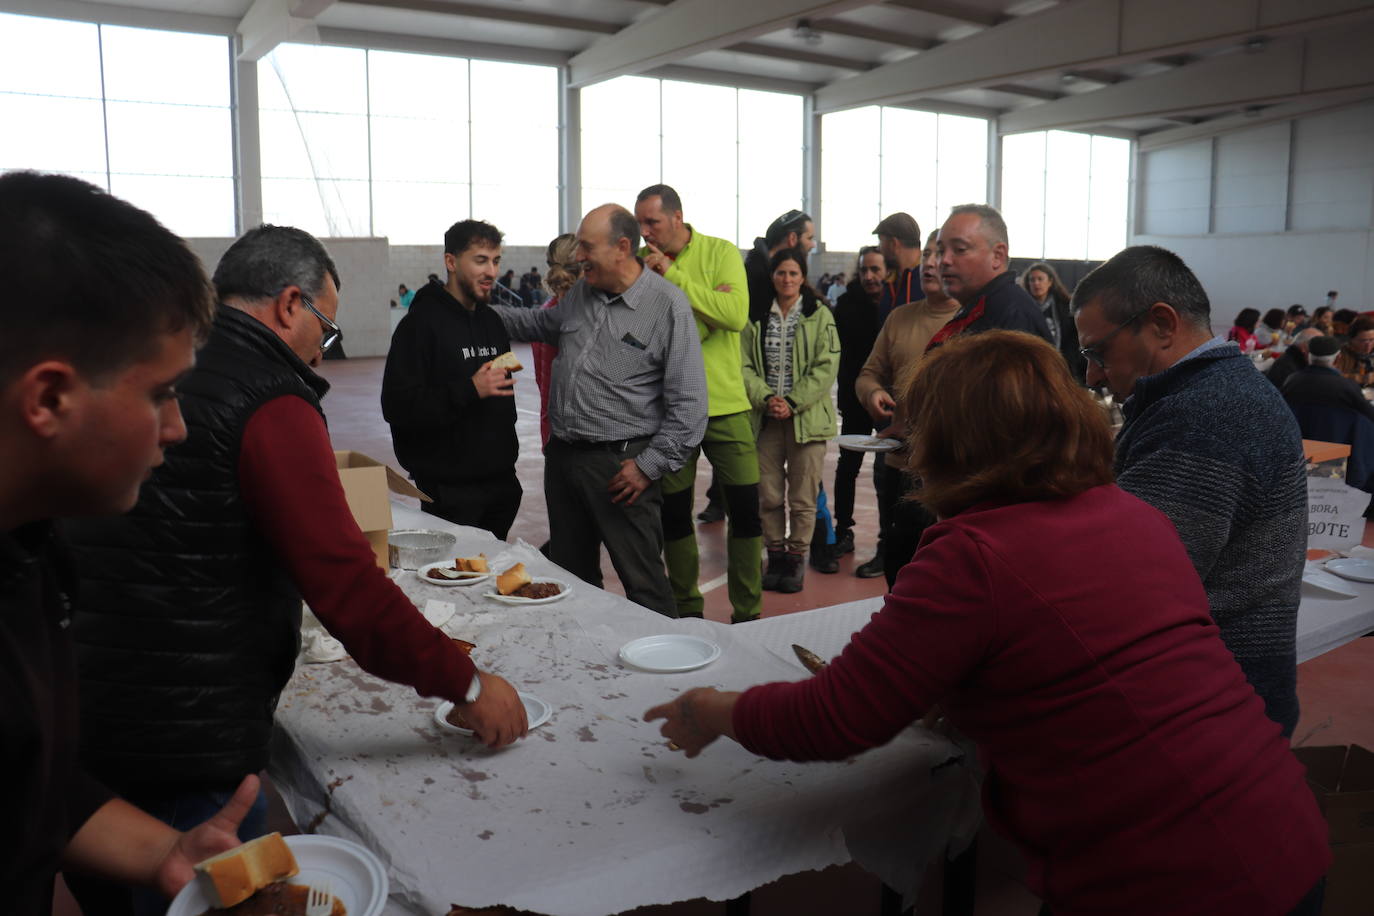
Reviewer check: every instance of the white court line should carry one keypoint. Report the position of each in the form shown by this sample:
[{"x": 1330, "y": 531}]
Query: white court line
[
  {"x": 533, "y": 413},
  {"x": 715, "y": 583}
]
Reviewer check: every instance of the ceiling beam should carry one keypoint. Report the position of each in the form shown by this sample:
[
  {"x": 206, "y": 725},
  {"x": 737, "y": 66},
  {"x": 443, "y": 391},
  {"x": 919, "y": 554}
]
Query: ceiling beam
[
  {"x": 690, "y": 27},
  {"x": 1082, "y": 35},
  {"x": 805, "y": 55},
  {"x": 499, "y": 14},
  {"x": 426, "y": 44},
  {"x": 269, "y": 23},
  {"x": 1284, "y": 70},
  {"x": 952, "y": 9},
  {"x": 1029, "y": 92},
  {"x": 871, "y": 33},
  {"x": 1284, "y": 111},
  {"x": 732, "y": 79},
  {"x": 135, "y": 17}
]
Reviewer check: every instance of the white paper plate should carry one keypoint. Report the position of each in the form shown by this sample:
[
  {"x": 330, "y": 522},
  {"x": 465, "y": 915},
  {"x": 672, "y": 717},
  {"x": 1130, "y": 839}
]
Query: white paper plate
[
  {"x": 438, "y": 613},
  {"x": 669, "y": 652},
  {"x": 858, "y": 442},
  {"x": 356, "y": 875},
  {"x": 467, "y": 579},
  {"x": 1351, "y": 568},
  {"x": 1320, "y": 584},
  {"x": 536, "y": 711},
  {"x": 512, "y": 599}
]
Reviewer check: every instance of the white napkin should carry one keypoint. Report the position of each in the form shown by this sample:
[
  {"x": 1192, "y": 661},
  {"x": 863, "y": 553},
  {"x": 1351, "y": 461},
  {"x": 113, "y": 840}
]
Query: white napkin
[{"x": 438, "y": 612}]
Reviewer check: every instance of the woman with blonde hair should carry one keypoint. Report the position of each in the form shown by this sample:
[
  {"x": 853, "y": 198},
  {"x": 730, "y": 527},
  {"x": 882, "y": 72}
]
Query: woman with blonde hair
[
  {"x": 1060, "y": 625},
  {"x": 564, "y": 270}
]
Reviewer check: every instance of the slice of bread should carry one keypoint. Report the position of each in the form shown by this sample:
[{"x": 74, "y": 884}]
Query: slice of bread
[
  {"x": 512, "y": 579},
  {"x": 232, "y": 877},
  {"x": 508, "y": 362},
  {"x": 471, "y": 564}
]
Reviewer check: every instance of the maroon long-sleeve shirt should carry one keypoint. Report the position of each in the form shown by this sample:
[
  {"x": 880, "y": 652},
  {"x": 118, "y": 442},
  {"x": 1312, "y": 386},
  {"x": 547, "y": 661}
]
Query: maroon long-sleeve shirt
[
  {"x": 288, "y": 478},
  {"x": 1126, "y": 753}
]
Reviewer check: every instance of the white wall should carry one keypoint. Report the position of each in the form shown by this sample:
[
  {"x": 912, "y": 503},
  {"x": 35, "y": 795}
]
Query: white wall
[
  {"x": 364, "y": 269},
  {"x": 1270, "y": 215}
]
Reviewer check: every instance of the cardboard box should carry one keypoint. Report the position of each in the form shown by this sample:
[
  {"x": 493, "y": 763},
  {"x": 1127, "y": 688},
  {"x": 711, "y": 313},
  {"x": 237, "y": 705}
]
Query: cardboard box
[
  {"x": 366, "y": 482},
  {"x": 1343, "y": 779}
]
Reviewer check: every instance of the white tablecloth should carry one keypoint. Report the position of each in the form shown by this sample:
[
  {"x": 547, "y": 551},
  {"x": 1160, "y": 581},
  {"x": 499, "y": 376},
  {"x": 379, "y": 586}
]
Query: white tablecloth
[{"x": 592, "y": 814}]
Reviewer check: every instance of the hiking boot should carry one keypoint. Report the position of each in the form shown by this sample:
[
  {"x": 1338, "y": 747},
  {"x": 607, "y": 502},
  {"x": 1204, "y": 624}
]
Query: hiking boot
[
  {"x": 713, "y": 512},
  {"x": 777, "y": 565},
  {"x": 844, "y": 542},
  {"x": 872, "y": 569},
  {"x": 793, "y": 572}
]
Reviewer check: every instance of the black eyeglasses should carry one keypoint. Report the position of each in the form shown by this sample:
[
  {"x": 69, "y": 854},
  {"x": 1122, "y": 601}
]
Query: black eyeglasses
[
  {"x": 1094, "y": 354},
  {"x": 332, "y": 332}
]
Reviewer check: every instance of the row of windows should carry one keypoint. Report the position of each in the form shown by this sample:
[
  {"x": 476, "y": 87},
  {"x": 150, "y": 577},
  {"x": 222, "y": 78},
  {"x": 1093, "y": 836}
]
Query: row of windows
[{"x": 360, "y": 142}]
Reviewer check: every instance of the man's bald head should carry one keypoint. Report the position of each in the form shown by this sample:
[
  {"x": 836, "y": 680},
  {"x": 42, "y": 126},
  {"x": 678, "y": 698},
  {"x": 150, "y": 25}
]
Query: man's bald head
[{"x": 607, "y": 241}]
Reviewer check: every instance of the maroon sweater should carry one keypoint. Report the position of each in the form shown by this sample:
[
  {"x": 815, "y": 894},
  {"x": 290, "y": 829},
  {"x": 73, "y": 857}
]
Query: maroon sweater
[
  {"x": 1126, "y": 753},
  {"x": 288, "y": 476}
]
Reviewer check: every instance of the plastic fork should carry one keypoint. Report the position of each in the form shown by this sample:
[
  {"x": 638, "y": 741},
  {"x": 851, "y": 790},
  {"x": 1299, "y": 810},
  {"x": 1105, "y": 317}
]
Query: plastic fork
[{"x": 320, "y": 901}]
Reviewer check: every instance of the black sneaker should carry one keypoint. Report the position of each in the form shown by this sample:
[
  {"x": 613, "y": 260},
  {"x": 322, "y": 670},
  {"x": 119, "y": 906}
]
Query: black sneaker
[
  {"x": 713, "y": 512},
  {"x": 777, "y": 565},
  {"x": 844, "y": 542},
  {"x": 794, "y": 571},
  {"x": 872, "y": 569}
]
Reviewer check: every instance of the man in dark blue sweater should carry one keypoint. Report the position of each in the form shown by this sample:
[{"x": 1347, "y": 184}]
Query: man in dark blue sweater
[{"x": 1210, "y": 443}]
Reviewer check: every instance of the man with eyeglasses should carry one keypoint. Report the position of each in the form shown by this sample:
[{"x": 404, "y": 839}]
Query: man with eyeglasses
[
  {"x": 452, "y": 413},
  {"x": 189, "y": 621},
  {"x": 1209, "y": 442}
]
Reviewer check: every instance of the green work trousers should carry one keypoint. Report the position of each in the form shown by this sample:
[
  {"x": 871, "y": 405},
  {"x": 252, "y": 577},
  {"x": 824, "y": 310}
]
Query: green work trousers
[{"x": 730, "y": 447}]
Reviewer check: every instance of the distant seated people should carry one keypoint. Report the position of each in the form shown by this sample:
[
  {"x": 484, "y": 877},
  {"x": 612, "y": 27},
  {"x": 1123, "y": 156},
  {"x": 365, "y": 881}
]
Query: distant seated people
[
  {"x": 1242, "y": 333},
  {"x": 1320, "y": 383},
  {"x": 1356, "y": 359},
  {"x": 1049, "y": 292},
  {"x": 1297, "y": 318},
  {"x": 1269, "y": 332},
  {"x": 1340, "y": 323},
  {"x": 1324, "y": 320},
  {"x": 1112, "y": 686},
  {"x": 1293, "y": 358}
]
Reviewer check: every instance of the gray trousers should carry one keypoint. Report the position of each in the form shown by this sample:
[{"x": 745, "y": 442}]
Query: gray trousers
[{"x": 582, "y": 518}]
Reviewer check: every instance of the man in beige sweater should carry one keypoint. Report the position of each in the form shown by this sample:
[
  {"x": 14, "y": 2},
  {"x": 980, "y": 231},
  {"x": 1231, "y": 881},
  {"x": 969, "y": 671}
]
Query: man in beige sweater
[{"x": 899, "y": 347}]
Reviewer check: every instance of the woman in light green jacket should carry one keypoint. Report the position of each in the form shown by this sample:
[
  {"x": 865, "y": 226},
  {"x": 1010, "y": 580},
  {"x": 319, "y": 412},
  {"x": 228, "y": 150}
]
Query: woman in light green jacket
[{"x": 791, "y": 357}]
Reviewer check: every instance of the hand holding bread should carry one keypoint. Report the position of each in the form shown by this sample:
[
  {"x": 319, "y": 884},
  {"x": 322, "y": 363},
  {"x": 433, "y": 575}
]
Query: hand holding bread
[{"x": 491, "y": 381}]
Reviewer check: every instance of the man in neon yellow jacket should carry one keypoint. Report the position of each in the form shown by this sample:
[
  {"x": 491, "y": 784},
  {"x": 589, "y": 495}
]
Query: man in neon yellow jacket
[{"x": 711, "y": 272}]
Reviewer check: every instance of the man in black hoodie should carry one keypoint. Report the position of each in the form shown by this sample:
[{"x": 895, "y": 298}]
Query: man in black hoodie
[{"x": 452, "y": 414}]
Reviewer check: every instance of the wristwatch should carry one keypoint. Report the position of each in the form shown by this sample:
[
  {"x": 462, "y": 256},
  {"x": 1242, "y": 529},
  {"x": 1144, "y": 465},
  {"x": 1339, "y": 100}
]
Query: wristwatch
[{"x": 474, "y": 688}]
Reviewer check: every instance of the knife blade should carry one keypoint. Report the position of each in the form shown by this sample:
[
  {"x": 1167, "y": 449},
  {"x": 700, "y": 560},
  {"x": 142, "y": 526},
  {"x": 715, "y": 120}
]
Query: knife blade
[{"x": 810, "y": 660}]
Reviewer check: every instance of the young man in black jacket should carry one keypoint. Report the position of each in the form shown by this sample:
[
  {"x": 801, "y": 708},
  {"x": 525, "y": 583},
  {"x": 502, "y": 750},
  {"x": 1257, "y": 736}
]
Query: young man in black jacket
[{"x": 452, "y": 413}]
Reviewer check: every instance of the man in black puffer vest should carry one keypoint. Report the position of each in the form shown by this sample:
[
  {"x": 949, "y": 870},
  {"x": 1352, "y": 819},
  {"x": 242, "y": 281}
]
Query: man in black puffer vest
[{"x": 188, "y": 624}]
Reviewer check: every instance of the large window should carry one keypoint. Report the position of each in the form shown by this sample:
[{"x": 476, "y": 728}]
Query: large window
[
  {"x": 1064, "y": 195},
  {"x": 82, "y": 99},
  {"x": 879, "y": 160},
  {"x": 734, "y": 155},
  {"x": 383, "y": 143}
]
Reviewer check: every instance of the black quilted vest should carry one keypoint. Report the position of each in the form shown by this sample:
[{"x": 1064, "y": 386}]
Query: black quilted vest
[{"x": 187, "y": 626}]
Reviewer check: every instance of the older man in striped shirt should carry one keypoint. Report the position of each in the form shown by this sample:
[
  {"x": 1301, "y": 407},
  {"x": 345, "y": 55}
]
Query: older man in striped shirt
[{"x": 627, "y": 404}]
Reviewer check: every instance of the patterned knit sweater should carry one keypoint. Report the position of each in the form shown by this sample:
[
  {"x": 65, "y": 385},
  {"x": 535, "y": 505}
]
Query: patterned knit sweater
[{"x": 1211, "y": 444}]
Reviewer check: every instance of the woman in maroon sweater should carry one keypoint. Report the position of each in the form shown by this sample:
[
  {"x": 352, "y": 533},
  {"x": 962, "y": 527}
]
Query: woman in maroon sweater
[{"x": 1058, "y": 622}]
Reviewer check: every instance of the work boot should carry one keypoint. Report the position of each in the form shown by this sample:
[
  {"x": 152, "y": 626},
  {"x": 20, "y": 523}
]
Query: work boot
[
  {"x": 777, "y": 565},
  {"x": 873, "y": 568},
  {"x": 844, "y": 542},
  {"x": 713, "y": 512},
  {"x": 794, "y": 571},
  {"x": 824, "y": 559}
]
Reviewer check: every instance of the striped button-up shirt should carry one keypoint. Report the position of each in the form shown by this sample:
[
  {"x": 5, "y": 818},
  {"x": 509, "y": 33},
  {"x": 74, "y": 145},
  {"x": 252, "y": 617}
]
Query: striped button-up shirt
[{"x": 628, "y": 366}]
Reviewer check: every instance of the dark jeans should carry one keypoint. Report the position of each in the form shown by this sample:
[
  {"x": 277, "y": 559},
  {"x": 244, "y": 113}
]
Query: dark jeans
[
  {"x": 847, "y": 466},
  {"x": 490, "y": 503},
  {"x": 907, "y": 520},
  {"x": 183, "y": 811},
  {"x": 582, "y": 518}
]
